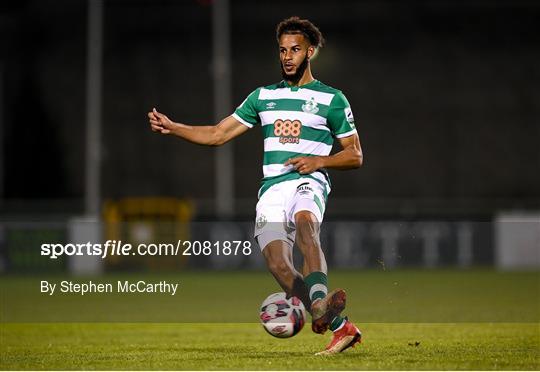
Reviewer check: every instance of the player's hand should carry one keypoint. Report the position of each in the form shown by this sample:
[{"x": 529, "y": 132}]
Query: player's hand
[
  {"x": 159, "y": 122},
  {"x": 305, "y": 164}
]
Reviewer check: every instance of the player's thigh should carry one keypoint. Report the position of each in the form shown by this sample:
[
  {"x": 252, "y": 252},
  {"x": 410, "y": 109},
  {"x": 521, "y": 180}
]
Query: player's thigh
[
  {"x": 271, "y": 220},
  {"x": 307, "y": 204}
]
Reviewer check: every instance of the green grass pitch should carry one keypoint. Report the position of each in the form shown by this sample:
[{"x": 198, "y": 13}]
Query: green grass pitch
[{"x": 477, "y": 319}]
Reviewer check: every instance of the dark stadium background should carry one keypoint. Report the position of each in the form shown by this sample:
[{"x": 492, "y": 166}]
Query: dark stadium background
[{"x": 445, "y": 96}]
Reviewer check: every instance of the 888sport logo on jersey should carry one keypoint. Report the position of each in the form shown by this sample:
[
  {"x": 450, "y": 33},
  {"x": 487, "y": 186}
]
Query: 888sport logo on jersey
[{"x": 287, "y": 130}]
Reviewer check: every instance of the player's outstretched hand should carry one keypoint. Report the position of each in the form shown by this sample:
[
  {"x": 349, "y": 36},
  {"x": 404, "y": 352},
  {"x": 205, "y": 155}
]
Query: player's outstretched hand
[
  {"x": 305, "y": 164},
  {"x": 160, "y": 122}
]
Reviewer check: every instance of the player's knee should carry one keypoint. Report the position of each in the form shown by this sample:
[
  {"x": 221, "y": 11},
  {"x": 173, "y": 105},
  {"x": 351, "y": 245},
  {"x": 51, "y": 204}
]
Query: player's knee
[
  {"x": 307, "y": 229},
  {"x": 279, "y": 267},
  {"x": 302, "y": 218},
  {"x": 277, "y": 261}
]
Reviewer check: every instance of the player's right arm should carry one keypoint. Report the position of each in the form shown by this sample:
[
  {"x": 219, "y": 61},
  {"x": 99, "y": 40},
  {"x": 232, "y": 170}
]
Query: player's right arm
[{"x": 209, "y": 135}]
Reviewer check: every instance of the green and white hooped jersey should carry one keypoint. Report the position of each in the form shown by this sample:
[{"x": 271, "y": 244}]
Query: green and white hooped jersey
[{"x": 296, "y": 121}]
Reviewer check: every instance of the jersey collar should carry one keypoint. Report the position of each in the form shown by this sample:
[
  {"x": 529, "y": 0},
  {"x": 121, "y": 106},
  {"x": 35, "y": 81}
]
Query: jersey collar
[{"x": 295, "y": 88}]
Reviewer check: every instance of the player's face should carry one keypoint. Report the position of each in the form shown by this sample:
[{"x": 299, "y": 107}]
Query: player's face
[{"x": 294, "y": 54}]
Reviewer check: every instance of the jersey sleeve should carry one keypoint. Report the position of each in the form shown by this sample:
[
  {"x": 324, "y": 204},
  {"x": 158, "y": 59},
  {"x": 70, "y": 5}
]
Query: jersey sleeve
[
  {"x": 340, "y": 117},
  {"x": 247, "y": 112}
]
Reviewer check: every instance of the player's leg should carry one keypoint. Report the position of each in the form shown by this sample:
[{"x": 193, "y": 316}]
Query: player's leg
[
  {"x": 305, "y": 270},
  {"x": 276, "y": 240},
  {"x": 308, "y": 241},
  {"x": 307, "y": 209},
  {"x": 326, "y": 308},
  {"x": 278, "y": 256}
]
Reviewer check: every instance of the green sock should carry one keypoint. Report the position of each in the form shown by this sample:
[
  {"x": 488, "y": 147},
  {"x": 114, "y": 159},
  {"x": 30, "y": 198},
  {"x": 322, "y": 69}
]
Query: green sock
[
  {"x": 317, "y": 285},
  {"x": 336, "y": 323}
]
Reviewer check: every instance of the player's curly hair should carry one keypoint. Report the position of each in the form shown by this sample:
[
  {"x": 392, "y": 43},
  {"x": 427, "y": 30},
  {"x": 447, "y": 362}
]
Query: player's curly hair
[{"x": 295, "y": 25}]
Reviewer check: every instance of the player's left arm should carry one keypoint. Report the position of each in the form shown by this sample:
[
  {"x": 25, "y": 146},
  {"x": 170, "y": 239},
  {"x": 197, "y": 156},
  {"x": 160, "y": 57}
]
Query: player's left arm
[{"x": 350, "y": 157}]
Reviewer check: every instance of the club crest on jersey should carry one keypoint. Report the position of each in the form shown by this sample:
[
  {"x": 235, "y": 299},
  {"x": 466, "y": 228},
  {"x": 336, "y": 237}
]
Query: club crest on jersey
[
  {"x": 310, "y": 106},
  {"x": 261, "y": 221},
  {"x": 287, "y": 130}
]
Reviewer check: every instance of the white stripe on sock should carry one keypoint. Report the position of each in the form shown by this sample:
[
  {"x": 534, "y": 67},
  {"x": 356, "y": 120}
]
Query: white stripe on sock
[
  {"x": 318, "y": 288},
  {"x": 341, "y": 326}
]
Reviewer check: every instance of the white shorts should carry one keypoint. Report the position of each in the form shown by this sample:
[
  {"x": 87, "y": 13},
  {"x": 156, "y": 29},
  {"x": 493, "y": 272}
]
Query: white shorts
[{"x": 279, "y": 204}]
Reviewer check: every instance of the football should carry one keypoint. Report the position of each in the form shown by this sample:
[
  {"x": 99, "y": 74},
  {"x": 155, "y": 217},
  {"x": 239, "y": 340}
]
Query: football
[{"x": 281, "y": 316}]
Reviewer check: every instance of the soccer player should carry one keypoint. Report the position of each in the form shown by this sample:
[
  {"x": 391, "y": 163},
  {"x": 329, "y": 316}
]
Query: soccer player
[{"x": 300, "y": 117}]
